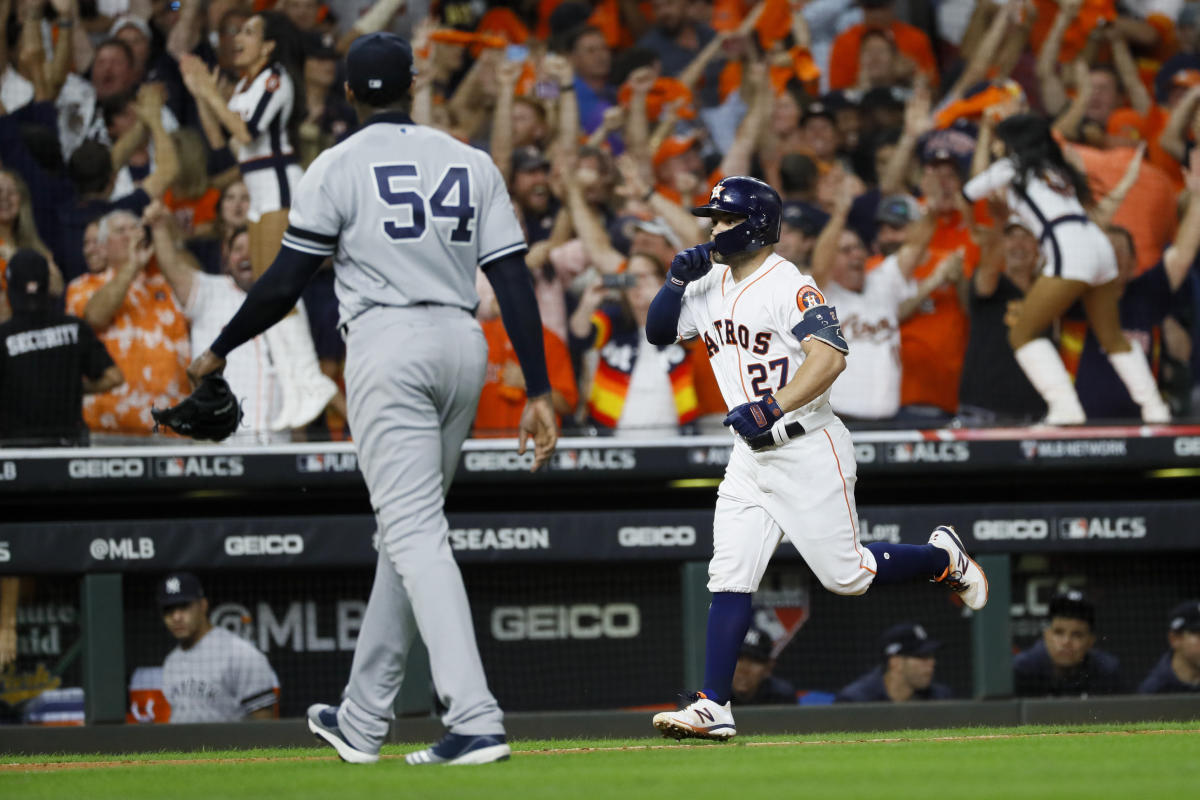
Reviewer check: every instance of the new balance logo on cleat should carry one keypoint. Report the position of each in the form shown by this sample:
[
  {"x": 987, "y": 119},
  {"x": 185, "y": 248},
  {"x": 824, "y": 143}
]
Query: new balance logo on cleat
[
  {"x": 963, "y": 576},
  {"x": 700, "y": 718}
]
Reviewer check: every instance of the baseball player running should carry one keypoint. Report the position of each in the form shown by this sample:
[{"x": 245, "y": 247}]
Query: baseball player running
[
  {"x": 408, "y": 213},
  {"x": 776, "y": 348}
]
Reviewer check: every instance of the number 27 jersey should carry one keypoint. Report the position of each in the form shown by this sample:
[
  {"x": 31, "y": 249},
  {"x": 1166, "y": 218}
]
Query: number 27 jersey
[
  {"x": 407, "y": 212},
  {"x": 746, "y": 328}
]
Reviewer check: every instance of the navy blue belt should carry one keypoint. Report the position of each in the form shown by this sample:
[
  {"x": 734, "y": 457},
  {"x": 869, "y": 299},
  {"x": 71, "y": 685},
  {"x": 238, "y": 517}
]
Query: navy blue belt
[{"x": 1048, "y": 233}]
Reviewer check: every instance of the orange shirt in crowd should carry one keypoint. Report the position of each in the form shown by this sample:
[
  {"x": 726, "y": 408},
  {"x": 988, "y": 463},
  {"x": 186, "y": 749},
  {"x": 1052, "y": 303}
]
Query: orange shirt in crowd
[
  {"x": 500, "y": 405},
  {"x": 1125, "y": 123},
  {"x": 1076, "y": 35},
  {"x": 910, "y": 41},
  {"x": 1148, "y": 212},
  {"x": 933, "y": 341},
  {"x": 148, "y": 341},
  {"x": 194, "y": 212}
]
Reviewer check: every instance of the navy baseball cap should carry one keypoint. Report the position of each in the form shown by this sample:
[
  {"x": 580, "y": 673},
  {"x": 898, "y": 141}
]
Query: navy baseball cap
[
  {"x": 897, "y": 210},
  {"x": 757, "y": 645},
  {"x": 807, "y": 218},
  {"x": 908, "y": 639},
  {"x": 28, "y": 278},
  {"x": 179, "y": 588},
  {"x": 1185, "y": 617},
  {"x": 1072, "y": 605},
  {"x": 379, "y": 68}
]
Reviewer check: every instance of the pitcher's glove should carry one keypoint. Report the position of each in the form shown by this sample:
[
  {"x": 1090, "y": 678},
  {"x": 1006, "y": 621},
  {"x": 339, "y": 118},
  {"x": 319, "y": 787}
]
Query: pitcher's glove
[{"x": 210, "y": 412}]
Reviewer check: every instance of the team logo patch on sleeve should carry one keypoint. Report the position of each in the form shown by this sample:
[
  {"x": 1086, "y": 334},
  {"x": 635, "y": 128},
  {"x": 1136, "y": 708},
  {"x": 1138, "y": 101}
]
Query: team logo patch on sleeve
[
  {"x": 272, "y": 83},
  {"x": 808, "y": 297}
]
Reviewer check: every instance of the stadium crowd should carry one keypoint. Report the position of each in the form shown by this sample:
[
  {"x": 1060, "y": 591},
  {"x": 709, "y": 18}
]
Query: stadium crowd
[{"x": 126, "y": 163}]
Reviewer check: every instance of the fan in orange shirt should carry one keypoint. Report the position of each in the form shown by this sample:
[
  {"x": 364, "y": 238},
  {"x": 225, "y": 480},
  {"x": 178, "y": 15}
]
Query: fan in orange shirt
[
  {"x": 910, "y": 41},
  {"x": 503, "y": 397},
  {"x": 134, "y": 313}
]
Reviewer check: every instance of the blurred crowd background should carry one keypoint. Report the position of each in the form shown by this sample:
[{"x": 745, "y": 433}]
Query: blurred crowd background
[{"x": 609, "y": 120}]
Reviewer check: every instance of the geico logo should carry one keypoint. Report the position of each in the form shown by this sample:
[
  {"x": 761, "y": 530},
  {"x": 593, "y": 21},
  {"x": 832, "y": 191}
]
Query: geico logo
[
  {"x": 1010, "y": 529},
  {"x": 497, "y": 461},
  {"x": 106, "y": 468},
  {"x": 682, "y": 536},
  {"x": 500, "y": 538},
  {"x": 270, "y": 545},
  {"x": 8, "y": 471},
  {"x": 1102, "y": 528},
  {"x": 1187, "y": 445},
  {"x": 583, "y": 621}
]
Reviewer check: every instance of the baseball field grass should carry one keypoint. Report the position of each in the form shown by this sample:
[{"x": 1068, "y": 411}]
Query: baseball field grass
[{"x": 1095, "y": 762}]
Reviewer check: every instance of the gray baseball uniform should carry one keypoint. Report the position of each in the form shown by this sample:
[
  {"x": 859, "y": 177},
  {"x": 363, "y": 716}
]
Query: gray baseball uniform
[
  {"x": 220, "y": 678},
  {"x": 408, "y": 213}
]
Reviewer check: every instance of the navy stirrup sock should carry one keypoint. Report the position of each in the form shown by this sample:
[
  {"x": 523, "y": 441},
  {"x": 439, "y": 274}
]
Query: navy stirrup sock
[
  {"x": 728, "y": 620},
  {"x": 897, "y": 563}
]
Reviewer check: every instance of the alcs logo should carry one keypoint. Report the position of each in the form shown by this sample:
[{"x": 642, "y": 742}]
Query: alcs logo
[{"x": 1102, "y": 528}]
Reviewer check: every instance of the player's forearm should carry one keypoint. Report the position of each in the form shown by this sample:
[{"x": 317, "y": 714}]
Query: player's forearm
[
  {"x": 820, "y": 369},
  {"x": 662, "y": 320},
  {"x": 522, "y": 319}
]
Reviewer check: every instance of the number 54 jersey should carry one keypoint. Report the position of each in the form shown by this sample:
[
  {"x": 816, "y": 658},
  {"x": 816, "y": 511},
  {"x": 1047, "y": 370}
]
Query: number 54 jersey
[
  {"x": 407, "y": 212},
  {"x": 746, "y": 328}
]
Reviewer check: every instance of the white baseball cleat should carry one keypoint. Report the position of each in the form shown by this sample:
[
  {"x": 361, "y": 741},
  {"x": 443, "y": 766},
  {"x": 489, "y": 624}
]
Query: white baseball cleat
[
  {"x": 963, "y": 576},
  {"x": 701, "y": 718}
]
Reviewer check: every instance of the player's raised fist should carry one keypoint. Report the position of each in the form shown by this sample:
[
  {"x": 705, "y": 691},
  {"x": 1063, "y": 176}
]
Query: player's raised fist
[
  {"x": 751, "y": 419},
  {"x": 691, "y": 264}
]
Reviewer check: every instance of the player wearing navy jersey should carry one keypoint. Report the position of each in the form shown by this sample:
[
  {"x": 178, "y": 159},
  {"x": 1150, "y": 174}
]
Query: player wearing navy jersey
[{"x": 408, "y": 214}]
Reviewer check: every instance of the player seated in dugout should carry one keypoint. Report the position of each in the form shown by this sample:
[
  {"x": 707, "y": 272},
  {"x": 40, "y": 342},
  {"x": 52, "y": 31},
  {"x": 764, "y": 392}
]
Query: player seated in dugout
[
  {"x": 639, "y": 389},
  {"x": 1065, "y": 662},
  {"x": 1178, "y": 670},
  {"x": 753, "y": 681},
  {"x": 906, "y": 672}
]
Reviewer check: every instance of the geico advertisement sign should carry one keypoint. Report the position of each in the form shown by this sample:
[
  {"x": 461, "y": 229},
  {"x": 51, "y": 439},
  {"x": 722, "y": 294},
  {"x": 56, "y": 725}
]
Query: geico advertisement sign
[
  {"x": 1004, "y": 530},
  {"x": 274, "y": 544},
  {"x": 296, "y": 629},
  {"x": 660, "y": 536},
  {"x": 582, "y": 621},
  {"x": 100, "y": 468},
  {"x": 1102, "y": 528}
]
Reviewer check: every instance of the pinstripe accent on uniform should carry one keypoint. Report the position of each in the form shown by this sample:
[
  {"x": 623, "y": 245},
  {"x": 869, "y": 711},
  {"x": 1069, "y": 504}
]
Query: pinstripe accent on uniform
[
  {"x": 312, "y": 236},
  {"x": 261, "y": 108},
  {"x": 501, "y": 253}
]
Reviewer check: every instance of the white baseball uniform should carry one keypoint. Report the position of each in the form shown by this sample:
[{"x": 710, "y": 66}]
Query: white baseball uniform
[
  {"x": 1073, "y": 246},
  {"x": 221, "y": 678},
  {"x": 870, "y": 386},
  {"x": 803, "y": 489}
]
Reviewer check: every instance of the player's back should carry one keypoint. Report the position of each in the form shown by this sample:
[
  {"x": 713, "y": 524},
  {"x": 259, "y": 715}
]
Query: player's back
[{"x": 414, "y": 211}]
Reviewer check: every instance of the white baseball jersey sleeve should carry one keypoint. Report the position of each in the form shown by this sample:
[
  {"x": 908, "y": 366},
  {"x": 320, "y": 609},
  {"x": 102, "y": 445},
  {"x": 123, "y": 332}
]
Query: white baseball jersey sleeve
[
  {"x": 746, "y": 328},
  {"x": 222, "y": 678},
  {"x": 407, "y": 212}
]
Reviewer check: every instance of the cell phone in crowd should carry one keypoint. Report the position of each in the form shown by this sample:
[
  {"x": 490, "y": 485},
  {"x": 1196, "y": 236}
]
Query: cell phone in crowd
[
  {"x": 516, "y": 52},
  {"x": 622, "y": 280}
]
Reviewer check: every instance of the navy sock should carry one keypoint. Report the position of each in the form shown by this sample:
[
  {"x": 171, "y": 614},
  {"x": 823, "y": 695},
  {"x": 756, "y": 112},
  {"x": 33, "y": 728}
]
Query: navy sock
[
  {"x": 728, "y": 620},
  {"x": 897, "y": 563}
]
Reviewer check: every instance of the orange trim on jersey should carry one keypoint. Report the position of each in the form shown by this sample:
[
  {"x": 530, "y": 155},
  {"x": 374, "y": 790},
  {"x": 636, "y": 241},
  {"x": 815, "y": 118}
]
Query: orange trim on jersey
[
  {"x": 846, "y": 495},
  {"x": 733, "y": 308}
]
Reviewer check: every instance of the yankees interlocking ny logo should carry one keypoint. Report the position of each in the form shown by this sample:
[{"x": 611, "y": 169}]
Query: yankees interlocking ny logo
[{"x": 173, "y": 586}]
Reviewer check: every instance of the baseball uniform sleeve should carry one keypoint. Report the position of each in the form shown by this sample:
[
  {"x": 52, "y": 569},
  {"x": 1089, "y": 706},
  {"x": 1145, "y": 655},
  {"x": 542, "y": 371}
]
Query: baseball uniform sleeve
[
  {"x": 255, "y": 683},
  {"x": 499, "y": 232},
  {"x": 316, "y": 218},
  {"x": 998, "y": 176}
]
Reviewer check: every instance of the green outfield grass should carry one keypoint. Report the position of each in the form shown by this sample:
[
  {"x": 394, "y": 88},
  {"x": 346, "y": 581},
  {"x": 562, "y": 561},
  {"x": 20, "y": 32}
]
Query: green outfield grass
[{"x": 1096, "y": 762}]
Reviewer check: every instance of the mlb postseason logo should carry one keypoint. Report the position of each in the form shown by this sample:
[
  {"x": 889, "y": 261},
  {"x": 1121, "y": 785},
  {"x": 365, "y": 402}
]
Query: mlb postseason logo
[{"x": 327, "y": 462}]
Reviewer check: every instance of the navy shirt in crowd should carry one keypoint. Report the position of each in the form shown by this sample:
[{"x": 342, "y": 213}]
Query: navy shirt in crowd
[
  {"x": 1034, "y": 674},
  {"x": 1163, "y": 680},
  {"x": 869, "y": 688}
]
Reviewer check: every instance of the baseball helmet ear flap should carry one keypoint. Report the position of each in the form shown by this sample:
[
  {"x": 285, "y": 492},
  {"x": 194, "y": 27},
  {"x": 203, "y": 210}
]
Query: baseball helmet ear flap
[{"x": 750, "y": 198}]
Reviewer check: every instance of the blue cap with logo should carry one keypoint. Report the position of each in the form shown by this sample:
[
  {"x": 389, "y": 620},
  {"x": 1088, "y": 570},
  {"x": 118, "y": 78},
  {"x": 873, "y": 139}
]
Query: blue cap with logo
[
  {"x": 178, "y": 589},
  {"x": 379, "y": 68}
]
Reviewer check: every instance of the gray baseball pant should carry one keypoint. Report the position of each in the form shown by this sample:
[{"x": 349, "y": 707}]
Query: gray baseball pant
[{"x": 413, "y": 377}]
